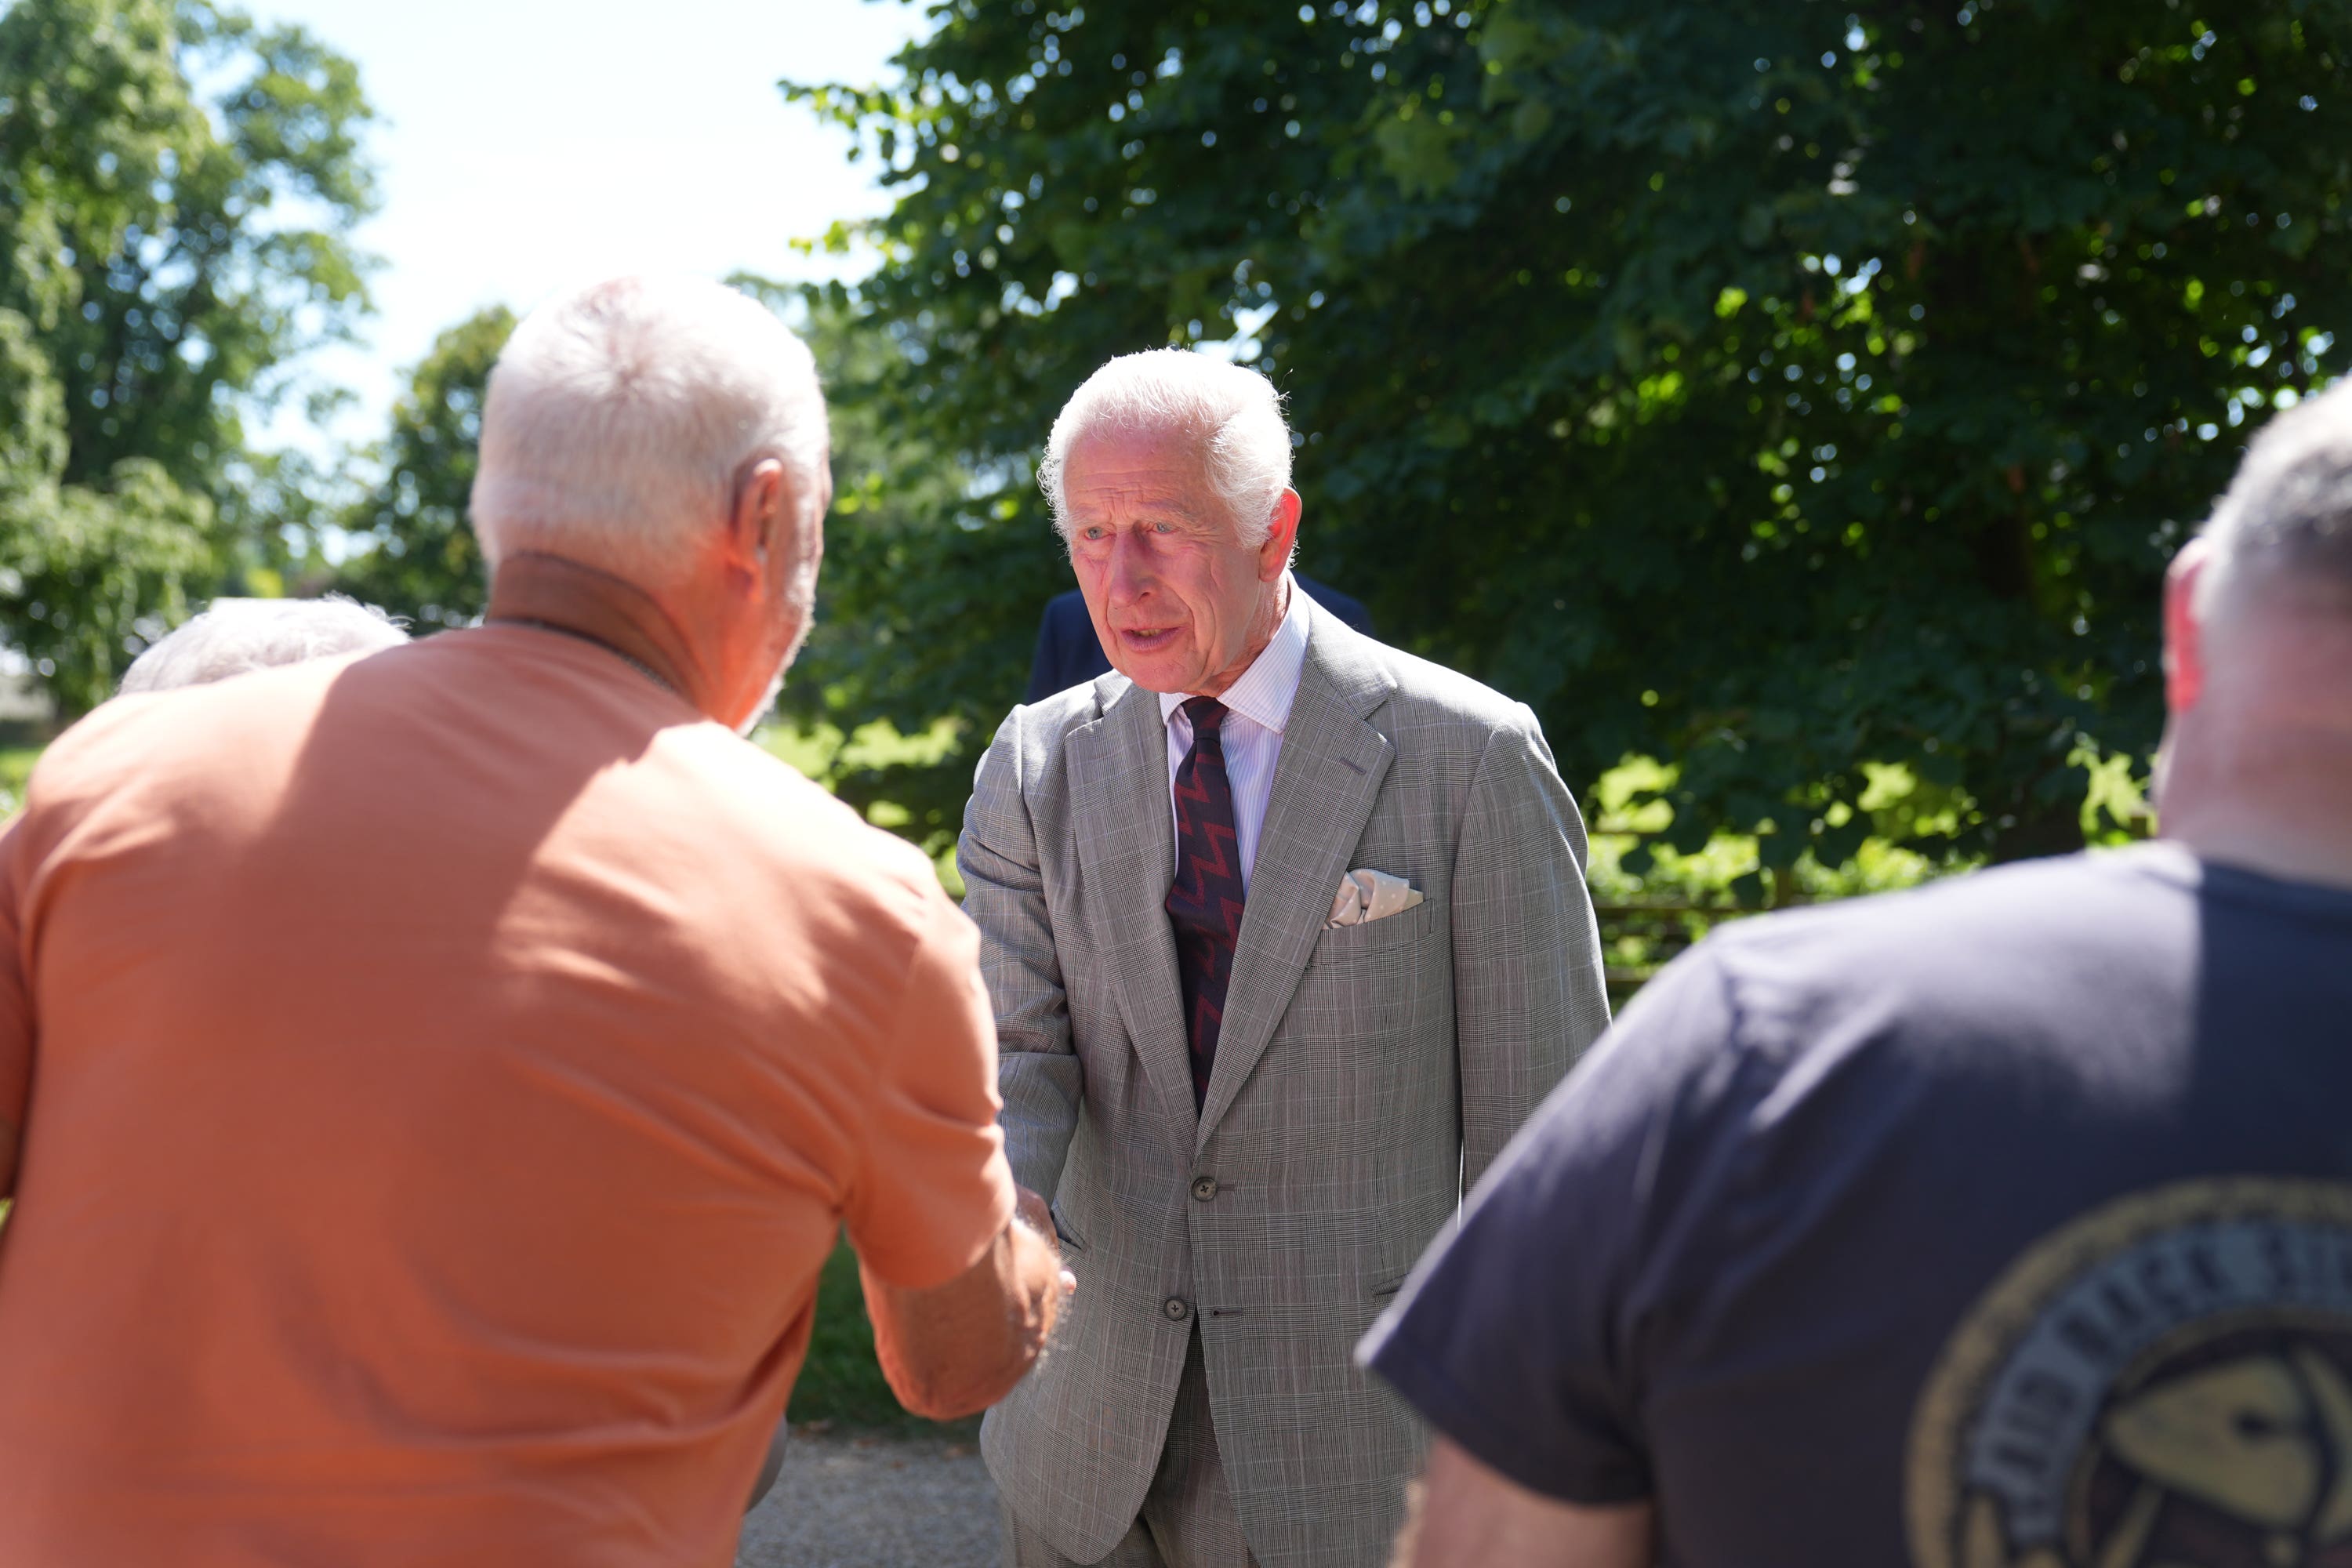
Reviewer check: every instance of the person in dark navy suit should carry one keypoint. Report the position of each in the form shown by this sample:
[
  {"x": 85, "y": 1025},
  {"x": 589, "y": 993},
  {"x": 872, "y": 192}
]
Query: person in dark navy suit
[{"x": 1068, "y": 651}]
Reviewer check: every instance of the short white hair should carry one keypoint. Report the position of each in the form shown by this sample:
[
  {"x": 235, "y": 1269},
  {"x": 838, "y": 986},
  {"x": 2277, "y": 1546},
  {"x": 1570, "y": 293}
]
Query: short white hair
[
  {"x": 619, "y": 415},
  {"x": 2285, "y": 523},
  {"x": 1231, "y": 413},
  {"x": 233, "y": 635}
]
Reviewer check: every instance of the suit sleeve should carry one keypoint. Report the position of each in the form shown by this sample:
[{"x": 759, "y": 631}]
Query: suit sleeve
[
  {"x": 1529, "y": 990},
  {"x": 1038, "y": 1072}
]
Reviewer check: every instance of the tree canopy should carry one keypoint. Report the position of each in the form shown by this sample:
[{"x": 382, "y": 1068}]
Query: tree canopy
[
  {"x": 1782, "y": 390},
  {"x": 177, "y": 191}
]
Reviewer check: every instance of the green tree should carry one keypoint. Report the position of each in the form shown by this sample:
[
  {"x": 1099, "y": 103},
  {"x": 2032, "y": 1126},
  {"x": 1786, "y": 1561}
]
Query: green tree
[
  {"x": 415, "y": 554},
  {"x": 79, "y": 565},
  {"x": 1777, "y": 389},
  {"x": 177, "y": 191}
]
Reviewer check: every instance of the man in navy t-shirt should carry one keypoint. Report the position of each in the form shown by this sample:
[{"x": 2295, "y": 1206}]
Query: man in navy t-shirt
[{"x": 2002, "y": 1224}]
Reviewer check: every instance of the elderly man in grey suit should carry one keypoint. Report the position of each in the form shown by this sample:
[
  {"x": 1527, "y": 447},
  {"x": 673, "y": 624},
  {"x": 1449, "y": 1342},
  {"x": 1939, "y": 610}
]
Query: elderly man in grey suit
[{"x": 1286, "y": 932}]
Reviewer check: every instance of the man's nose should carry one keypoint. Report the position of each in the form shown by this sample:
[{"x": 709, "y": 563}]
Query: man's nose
[{"x": 1129, "y": 574}]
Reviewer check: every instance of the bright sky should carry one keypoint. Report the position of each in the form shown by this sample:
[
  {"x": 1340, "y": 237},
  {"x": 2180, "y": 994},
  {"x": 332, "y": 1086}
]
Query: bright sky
[{"x": 526, "y": 145}]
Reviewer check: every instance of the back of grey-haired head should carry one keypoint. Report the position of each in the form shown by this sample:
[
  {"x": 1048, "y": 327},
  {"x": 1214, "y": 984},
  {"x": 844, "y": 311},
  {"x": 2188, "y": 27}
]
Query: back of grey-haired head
[
  {"x": 235, "y": 635},
  {"x": 1232, "y": 414},
  {"x": 2284, "y": 530},
  {"x": 619, "y": 415}
]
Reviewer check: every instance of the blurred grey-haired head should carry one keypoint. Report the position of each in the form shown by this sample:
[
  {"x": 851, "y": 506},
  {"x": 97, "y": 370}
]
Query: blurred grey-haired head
[
  {"x": 1231, "y": 413},
  {"x": 2282, "y": 535},
  {"x": 233, "y": 635},
  {"x": 620, "y": 416}
]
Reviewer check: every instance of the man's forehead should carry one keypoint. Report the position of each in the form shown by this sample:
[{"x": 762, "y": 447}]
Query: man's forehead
[
  {"x": 1121, "y": 458},
  {"x": 1153, "y": 472}
]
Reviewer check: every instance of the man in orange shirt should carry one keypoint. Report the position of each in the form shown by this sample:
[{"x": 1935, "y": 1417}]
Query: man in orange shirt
[{"x": 431, "y": 1082}]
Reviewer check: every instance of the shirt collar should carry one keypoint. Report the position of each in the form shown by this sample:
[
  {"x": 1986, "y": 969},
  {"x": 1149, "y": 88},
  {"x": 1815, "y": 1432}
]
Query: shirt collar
[
  {"x": 535, "y": 588},
  {"x": 1266, "y": 689}
]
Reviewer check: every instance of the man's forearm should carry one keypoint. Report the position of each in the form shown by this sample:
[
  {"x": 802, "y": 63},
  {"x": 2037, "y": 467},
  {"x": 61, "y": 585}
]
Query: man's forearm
[
  {"x": 1462, "y": 1514},
  {"x": 958, "y": 1348}
]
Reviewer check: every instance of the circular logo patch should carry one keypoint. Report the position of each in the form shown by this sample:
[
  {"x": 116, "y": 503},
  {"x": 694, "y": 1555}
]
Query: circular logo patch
[{"x": 2165, "y": 1382}]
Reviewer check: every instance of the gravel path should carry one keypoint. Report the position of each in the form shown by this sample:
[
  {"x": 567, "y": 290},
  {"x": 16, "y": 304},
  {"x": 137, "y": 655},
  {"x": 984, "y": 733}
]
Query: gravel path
[{"x": 868, "y": 1503}]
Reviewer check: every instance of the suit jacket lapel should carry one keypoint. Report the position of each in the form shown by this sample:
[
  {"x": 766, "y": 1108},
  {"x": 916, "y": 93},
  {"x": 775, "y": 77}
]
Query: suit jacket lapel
[
  {"x": 1126, "y": 845},
  {"x": 1323, "y": 786}
]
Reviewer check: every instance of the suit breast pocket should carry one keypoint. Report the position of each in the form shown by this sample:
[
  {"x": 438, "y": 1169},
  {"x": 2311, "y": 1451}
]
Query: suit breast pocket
[
  {"x": 1376, "y": 939},
  {"x": 1367, "y": 1046}
]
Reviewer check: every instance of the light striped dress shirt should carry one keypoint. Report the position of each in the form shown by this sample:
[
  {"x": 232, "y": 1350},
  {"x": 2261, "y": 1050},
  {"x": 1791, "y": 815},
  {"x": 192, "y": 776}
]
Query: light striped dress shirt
[{"x": 1258, "y": 707}]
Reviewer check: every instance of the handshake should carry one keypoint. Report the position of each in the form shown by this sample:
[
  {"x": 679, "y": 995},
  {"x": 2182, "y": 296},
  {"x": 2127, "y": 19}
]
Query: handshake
[{"x": 956, "y": 1349}]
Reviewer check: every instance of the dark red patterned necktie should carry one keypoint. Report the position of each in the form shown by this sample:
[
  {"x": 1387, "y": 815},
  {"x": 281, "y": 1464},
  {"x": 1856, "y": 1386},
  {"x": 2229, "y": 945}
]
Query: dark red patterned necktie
[{"x": 1205, "y": 905}]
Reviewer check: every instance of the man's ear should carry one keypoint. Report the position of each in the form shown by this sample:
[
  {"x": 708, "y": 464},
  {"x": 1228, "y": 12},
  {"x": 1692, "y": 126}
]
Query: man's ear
[
  {"x": 1281, "y": 536},
  {"x": 760, "y": 519},
  {"x": 2184, "y": 630}
]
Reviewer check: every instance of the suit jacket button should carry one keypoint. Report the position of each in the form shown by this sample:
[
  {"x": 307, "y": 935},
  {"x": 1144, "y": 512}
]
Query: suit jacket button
[
  {"x": 1204, "y": 1188},
  {"x": 1176, "y": 1310}
]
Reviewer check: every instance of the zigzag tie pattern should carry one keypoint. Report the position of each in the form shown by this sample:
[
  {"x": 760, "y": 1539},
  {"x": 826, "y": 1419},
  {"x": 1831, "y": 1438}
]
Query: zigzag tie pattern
[{"x": 1204, "y": 903}]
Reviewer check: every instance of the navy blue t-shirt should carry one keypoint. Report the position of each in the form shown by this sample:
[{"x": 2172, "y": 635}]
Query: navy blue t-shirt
[{"x": 2004, "y": 1223}]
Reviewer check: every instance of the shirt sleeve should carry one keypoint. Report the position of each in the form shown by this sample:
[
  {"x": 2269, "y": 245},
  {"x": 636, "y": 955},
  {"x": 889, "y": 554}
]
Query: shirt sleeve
[
  {"x": 1523, "y": 1335},
  {"x": 935, "y": 1189}
]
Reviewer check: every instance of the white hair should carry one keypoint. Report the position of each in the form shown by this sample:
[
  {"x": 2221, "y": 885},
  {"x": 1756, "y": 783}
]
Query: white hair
[
  {"x": 2286, "y": 519},
  {"x": 1231, "y": 413},
  {"x": 619, "y": 415},
  {"x": 233, "y": 635}
]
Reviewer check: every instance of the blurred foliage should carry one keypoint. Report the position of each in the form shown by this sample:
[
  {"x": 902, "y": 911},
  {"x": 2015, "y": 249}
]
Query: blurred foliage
[
  {"x": 1782, "y": 389},
  {"x": 1651, "y": 914},
  {"x": 414, "y": 551},
  {"x": 177, "y": 192},
  {"x": 16, "y": 767},
  {"x": 827, "y": 754}
]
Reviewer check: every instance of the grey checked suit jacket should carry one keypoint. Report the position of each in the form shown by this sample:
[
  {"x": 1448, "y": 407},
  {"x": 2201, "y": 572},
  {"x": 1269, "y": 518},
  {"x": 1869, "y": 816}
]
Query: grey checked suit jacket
[{"x": 1362, "y": 1074}]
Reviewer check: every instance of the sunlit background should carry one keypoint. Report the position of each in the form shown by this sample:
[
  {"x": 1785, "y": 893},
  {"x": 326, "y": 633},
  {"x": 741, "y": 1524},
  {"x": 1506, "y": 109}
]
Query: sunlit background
[
  {"x": 1795, "y": 408},
  {"x": 524, "y": 147}
]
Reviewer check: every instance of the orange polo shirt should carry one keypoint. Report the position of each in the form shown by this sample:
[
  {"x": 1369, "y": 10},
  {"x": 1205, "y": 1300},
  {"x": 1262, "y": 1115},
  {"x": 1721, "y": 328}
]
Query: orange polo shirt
[{"x": 441, "y": 1076}]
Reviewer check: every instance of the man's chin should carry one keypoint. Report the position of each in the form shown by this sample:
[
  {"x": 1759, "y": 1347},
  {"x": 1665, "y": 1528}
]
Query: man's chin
[{"x": 1163, "y": 669}]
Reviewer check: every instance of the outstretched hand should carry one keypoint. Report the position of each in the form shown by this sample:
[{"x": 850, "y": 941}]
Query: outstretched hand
[{"x": 1038, "y": 1214}]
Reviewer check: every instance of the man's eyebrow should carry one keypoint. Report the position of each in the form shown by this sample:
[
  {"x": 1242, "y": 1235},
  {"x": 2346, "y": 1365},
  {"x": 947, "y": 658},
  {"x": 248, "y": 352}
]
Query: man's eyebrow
[
  {"x": 1146, "y": 510},
  {"x": 1174, "y": 509}
]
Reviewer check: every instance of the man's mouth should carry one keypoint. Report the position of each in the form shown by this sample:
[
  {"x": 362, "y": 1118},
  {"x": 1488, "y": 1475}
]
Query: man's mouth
[{"x": 1146, "y": 639}]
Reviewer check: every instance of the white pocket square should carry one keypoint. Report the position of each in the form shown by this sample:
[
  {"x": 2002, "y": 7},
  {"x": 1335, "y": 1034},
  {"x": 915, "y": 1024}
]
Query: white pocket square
[{"x": 1366, "y": 896}]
